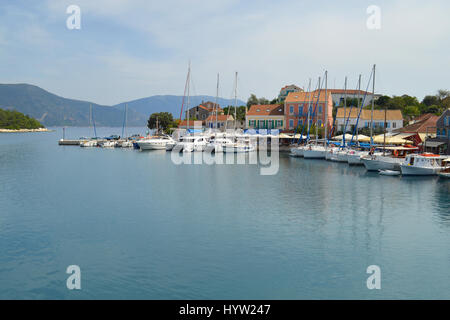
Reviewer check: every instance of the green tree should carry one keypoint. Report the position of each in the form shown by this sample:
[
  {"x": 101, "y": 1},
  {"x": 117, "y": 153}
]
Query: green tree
[
  {"x": 240, "y": 112},
  {"x": 252, "y": 100},
  {"x": 164, "y": 119},
  {"x": 430, "y": 100}
]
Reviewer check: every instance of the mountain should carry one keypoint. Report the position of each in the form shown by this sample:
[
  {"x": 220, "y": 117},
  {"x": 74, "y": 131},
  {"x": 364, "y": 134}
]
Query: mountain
[
  {"x": 170, "y": 103},
  {"x": 53, "y": 110}
]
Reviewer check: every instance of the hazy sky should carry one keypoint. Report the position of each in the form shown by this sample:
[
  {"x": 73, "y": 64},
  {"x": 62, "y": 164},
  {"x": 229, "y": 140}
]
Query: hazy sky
[{"x": 132, "y": 49}]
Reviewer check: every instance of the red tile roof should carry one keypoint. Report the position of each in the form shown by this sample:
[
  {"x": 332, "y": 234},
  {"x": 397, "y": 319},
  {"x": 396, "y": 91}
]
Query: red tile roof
[
  {"x": 220, "y": 117},
  {"x": 266, "y": 110}
]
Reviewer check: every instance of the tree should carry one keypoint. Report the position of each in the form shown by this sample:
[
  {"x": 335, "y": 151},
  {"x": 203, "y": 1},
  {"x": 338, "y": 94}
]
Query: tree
[
  {"x": 252, "y": 100},
  {"x": 430, "y": 100},
  {"x": 240, "y": 112},
  {"x": 274, "y": 101},
  {"x": 165, "y": 121},
  {"x": 263, "y": 101},
  {"x": 382, "y": 101}
]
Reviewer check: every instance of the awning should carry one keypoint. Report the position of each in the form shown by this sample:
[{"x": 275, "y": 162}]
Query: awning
[{"x": 433, "y": 144}]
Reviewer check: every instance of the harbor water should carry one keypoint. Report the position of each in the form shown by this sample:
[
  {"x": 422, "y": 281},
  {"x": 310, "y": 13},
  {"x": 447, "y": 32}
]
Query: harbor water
[{"x": 141, "y": 227}]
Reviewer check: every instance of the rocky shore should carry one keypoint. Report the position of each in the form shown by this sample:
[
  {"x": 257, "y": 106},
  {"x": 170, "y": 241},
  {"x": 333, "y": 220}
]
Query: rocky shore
[{"x": 24, "y": 130}]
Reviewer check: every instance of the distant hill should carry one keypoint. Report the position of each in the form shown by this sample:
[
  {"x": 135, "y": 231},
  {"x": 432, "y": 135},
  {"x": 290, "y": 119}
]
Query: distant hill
[
  {"x": 171, "y": 103},
  {"x": 53, "y": 110},
  {"x": 16, "y": 120}
]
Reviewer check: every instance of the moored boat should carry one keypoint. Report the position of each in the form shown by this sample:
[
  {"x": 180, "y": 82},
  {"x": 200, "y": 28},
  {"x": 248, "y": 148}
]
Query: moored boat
[{"x": 425, "y": 164}]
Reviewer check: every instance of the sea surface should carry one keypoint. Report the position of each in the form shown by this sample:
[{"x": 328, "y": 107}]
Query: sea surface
[{"x": 141, "y": 227}]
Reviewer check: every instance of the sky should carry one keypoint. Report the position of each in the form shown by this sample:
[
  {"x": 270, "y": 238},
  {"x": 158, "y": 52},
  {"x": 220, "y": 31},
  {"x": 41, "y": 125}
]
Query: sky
[{"x": 130, "y": 49}]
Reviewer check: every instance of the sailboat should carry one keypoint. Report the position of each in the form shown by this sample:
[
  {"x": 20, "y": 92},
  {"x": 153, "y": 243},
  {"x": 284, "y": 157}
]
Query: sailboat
[
  {"x": 317, "y": 151},
  {"x": 125, "y": 143},
  {"x": 91, "y": 142},
  {"x": 299, "y": 150},
  {"x": 240, "y": 146}
]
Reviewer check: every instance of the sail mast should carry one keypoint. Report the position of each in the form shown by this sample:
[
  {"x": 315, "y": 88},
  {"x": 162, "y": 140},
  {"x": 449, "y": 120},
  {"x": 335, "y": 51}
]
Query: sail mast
[
  {"x": 359, "y": 102},
  {"x": 217, "y": 97},
  {"x": 309, "y": 105},
  {"x": 235, "y": 100},
  {"x": 371, "y": 114},
  {"x": 188, "y": 88},
  {"x": 317, "y": 115},
  {"x": 345, "y": 111},
  {"x": 325, "y": 110}
]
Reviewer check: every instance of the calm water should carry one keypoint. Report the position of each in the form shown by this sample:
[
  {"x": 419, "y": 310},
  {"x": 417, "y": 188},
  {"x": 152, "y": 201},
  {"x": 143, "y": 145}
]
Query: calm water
[{"x": 141, "y": 227}]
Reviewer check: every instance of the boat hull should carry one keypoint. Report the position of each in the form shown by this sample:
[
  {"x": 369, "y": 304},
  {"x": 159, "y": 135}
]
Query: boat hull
[
  {"x": 408, "y": 170},
  {"x": 376, "y": 165},
  {"x": 297, "y": 152},
  {"x": 314, "y": 154}
]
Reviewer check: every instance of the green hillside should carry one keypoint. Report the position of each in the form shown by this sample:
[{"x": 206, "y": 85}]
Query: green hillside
[
  {"x": 16, "y": 120},
  {"x": 53, "y": 110}
]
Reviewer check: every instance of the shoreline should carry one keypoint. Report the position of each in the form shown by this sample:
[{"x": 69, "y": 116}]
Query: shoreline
[{"x": 24, "y": 130}]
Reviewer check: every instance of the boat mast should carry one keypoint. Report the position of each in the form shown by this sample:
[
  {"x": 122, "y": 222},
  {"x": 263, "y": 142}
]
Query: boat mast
[
  {"x": 217, "y": 97},
  {"x": 325, "y": 110},
  {"x": 359, "y": 102},
  {"x": 317, "y": 116},
  {"x": 309, "y": 106},
  {"x": 188, "y": 88},
  {"x": 371, "y": 114},
  {"x": 384, "y": 136},
  {"x": 235, "y": 100},
  {"x": 345, "y": 111}
]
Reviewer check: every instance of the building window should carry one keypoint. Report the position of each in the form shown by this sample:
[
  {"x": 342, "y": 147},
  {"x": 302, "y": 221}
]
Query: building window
[
  {"x": 291, "y": 123},
  {"x": 394, "y": 125},
  {"x": 320, "y": 109},
  {"x": 291, "y": 109}
]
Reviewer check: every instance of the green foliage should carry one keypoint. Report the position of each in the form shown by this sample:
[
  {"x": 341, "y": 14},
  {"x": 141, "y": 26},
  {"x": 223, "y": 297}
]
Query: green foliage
[
  {"x": 164, "y": 119},
  {"x": 411, "y": 107},
  {"x": 252, "y": 100},
  {"x": 16, "y": 120},
  {"x": 240, "y": 112}
]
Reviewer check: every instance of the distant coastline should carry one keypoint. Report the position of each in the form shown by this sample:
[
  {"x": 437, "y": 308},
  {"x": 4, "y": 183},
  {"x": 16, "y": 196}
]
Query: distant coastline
[{"x": 25, "y": 130}]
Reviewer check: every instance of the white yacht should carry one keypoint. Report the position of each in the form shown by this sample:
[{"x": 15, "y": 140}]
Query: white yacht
[
  {"x": 314, "y": 152},
  {"x": 108, "y": 144},
  {"x": 425, "y": 164},
  {"x": 342, "y": 155},
  {"x": 239, "y": 147},
  {"x": 191, "y": 144},
  {"x": 88, "y": 143},
  {"x": 354, "y": 156},
  {"x": 155, "y": 143},
  {"x": 445, "y": 173},
  {"x": 331, "y": 153},
  {"x": 170, "y": 145},
  {"x": 297, "y": 151},
  {"x": 391, "y": 159},
  {"x": 218, "y": 144}
]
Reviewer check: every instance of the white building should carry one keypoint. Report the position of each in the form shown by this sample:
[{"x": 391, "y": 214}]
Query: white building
[{"x": 338, "y": 96}]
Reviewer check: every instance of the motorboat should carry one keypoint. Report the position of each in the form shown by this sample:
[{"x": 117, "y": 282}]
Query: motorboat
[
  {"x": 191, "y": 144},
  {"x": 389, "y": 159},
  {"x": 108, "y": 144},
  {"x": 445, "y": 173},
  {"x": 218, "y": 144},
  {"x": 88, "y": 143},
  {"x": 425, "y": 164},
  {"x": 239, "y": 147},
  {"x": 155, "y": 143},
  {"x": 170, "y": 145},
  {"x": 125, "y": 144}
]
